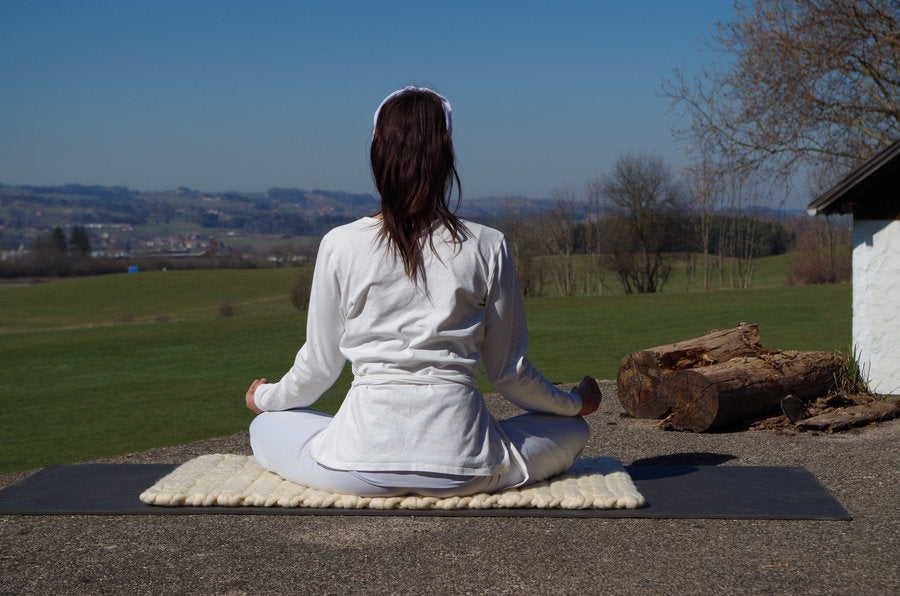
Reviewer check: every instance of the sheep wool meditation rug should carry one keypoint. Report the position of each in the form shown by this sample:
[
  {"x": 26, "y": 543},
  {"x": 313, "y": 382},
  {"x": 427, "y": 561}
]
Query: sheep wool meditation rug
[{"x": 237, "y": 480}]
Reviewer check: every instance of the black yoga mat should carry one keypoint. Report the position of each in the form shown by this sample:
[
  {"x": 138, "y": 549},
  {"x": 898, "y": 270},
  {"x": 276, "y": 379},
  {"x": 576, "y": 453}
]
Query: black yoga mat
[{"x": 718, "y": 492}]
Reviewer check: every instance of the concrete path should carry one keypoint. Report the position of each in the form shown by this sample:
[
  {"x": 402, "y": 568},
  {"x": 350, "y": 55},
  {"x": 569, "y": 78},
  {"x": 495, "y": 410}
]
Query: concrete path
[{"x": 414, "y": 555}]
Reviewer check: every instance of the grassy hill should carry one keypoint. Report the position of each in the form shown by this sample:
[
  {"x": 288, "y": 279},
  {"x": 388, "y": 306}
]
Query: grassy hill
[
  {"x": 155, "y": 296},
  {"x": 145, "y": 297},
  {"x": 78, "y": 386}
]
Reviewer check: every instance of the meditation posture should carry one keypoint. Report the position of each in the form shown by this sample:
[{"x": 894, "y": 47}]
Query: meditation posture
[{"x": 416, "y": 298}]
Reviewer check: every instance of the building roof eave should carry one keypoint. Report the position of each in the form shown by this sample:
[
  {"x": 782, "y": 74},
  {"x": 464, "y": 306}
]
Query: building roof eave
[{"x": 838, "y": 198}]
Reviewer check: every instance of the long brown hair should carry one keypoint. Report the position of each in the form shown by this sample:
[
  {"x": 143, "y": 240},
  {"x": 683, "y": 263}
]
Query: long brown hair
[{"x": 415, "y": 172}]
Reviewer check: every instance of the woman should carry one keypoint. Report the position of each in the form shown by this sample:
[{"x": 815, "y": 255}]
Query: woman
[{"x": 416, "y": 299}]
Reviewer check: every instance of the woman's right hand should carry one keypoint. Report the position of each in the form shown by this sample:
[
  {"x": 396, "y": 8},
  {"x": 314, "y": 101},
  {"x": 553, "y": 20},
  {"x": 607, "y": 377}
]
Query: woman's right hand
[
  {"x": 589, "y": 392},
  {"x": 249, "y": 400}
]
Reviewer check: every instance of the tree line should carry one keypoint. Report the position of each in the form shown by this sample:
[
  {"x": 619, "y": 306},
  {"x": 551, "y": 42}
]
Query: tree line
[
  {"x": 634, "y": 224},
  {"x": 55, "y": 254},
  {"x": 631, "y": 228}
]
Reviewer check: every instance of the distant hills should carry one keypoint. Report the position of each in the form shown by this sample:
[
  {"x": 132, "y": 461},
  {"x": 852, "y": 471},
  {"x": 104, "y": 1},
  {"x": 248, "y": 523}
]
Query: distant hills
[
  {"x": 28, "y": 211},
  {"x": 290, "y": 210},
  {"x": 279, "y": 210}
]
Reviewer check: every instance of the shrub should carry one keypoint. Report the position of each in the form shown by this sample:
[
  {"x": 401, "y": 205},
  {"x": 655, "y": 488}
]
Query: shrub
[
  {"x": 227, "y": 308},
  {"x": 821, "y": 252},
  {"x": 300, "y": 288}
]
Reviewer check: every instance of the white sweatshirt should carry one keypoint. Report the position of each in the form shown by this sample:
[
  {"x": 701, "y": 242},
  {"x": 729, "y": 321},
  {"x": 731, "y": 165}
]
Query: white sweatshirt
[{"x": 415, "y": 351}]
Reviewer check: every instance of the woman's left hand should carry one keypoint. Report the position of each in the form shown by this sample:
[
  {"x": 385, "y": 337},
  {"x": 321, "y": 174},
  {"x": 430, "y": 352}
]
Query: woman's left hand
[
  {"x": 248, "y": 399},
  {"x": 589, "y": 392}
]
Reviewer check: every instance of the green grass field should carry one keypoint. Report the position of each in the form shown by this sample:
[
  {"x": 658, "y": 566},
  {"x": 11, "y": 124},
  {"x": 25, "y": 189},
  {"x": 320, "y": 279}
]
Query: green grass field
[
  {"x": 686, "y": 276},
  {"x": 78, "y": 387},
  {"x": 145, "y": 297}
]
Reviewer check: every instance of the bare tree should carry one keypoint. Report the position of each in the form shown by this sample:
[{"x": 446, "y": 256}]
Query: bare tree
[
  {"x": 738, "y": 235},
  {"x": 50, "y": 253},
  {"x": 79, "y": 242},
  {"x": 559, "y": 239},
  {"x": 300, "y": 288},
  {"x": 522, "y": 231},
  {"x": 706, "y": 190},
  {"x": 805, "y": 82},
  {"x": 639, "y": 198},
  {"x": 821, "y": 251},
  {"x": 595, "y": 241}
]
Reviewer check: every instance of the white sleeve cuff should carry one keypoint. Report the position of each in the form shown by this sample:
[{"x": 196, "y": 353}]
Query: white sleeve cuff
[
  {"x": 259, "y": 394},
  {"x": 578, "y": 401}
]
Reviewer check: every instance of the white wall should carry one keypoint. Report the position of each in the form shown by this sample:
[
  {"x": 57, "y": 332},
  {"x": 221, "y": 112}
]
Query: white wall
[{"x": 876, "y": 301}]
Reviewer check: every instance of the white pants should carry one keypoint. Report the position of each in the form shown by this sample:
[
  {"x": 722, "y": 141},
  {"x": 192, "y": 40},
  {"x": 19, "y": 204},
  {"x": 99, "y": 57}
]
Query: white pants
[{"x": 547, "y": 443}]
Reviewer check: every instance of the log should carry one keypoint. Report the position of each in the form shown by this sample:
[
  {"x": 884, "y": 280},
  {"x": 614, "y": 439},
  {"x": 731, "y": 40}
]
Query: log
[
  {"x": 715, "y": 396},
  {"x": 847, "y": 417},
  {"x": 641, "y": 373}
]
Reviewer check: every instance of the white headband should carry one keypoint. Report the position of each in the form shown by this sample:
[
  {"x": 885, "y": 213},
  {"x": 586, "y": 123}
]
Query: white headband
[{"x": 444, "y": 104}]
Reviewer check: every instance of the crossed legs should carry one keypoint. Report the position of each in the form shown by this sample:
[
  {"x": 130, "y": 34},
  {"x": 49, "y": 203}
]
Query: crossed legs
[{"x": 548, "y": 444}]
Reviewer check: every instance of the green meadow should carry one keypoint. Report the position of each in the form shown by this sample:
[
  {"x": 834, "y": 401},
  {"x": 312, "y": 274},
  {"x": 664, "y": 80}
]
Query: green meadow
[
  {"x": 120, "y": 363},
  {"x": 686, "y": 275},
  {"x": 147, "y": 297}
]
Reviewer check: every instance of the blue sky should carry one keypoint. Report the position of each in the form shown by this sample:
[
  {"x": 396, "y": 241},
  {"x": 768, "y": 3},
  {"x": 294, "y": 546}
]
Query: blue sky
[{"x": 248, "y": 95}]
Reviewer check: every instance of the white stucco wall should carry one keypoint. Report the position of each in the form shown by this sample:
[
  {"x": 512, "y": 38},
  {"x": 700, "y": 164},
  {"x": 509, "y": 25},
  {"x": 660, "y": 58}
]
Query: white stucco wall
[{"x": 876, "y": 301}]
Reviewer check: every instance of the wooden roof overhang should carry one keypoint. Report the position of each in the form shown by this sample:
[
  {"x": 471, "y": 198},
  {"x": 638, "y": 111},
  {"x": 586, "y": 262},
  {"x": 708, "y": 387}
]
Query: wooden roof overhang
[{"x": 871, "y": 191}]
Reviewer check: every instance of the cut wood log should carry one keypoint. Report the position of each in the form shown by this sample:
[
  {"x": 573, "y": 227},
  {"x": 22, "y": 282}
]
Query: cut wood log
[
  {"x": 641, "y": 373},
  {"x": 847, "y": 417},
  {"x": 714, "y": 396}
]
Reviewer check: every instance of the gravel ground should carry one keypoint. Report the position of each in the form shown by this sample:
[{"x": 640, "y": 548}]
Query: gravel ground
[{"x": 234, "y": 554}]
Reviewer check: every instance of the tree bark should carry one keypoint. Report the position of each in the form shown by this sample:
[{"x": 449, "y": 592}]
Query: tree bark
[
  {"x": 844, "y": 418},
  {"x": 714, "y": 396},
  {"x": 641, "y": 374}
]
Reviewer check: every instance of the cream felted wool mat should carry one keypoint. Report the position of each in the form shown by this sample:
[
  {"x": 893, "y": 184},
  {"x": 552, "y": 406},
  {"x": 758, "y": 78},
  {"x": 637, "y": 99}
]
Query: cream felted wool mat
[{"x": 235, "y": 480}]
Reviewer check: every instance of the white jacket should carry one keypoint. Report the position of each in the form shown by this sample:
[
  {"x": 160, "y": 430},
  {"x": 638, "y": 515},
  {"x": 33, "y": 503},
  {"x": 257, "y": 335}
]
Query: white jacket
[{"x": 415, "y": 351}]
